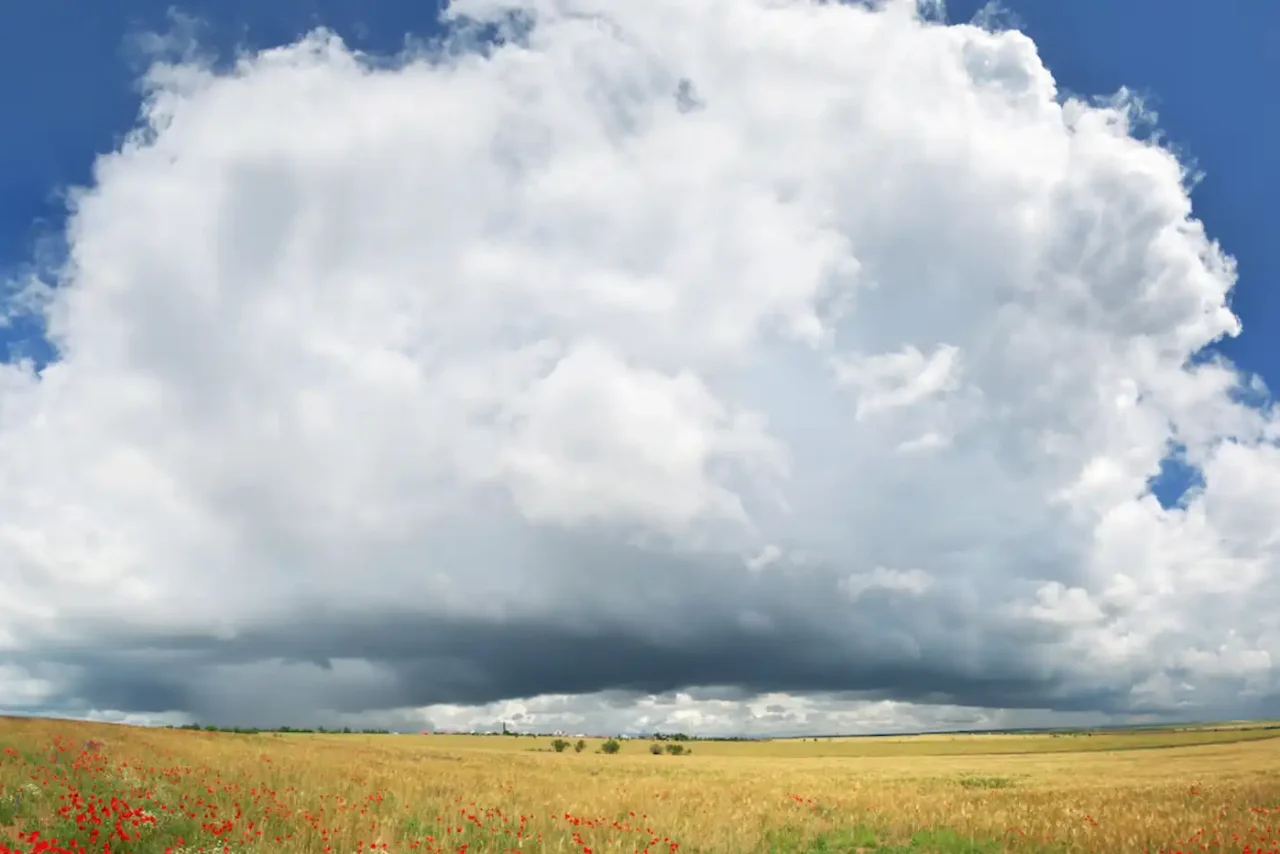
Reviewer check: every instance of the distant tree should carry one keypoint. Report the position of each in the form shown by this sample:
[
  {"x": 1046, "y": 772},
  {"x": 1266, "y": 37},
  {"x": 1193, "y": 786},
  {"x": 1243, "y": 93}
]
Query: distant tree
[
  {"x": 559, "y": 745},
  {"x": 611, "y": 746},
  {"x": 579, "y": 746},
  {"x": 674, "y": 749},
  {"x": 656, "y": 749}
]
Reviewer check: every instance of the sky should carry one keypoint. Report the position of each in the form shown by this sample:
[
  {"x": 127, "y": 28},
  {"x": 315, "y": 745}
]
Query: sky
[{"x": 755, "y": 367}]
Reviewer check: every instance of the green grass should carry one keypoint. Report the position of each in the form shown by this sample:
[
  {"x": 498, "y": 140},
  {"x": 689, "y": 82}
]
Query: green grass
[
  {"x": 974, "y": 781},
  {"x": 859, "y": 839},
  {"x": 9, "y": 806}
]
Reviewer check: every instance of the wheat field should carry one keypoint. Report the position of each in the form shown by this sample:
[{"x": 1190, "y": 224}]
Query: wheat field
[{"x": 97, "y": 787}]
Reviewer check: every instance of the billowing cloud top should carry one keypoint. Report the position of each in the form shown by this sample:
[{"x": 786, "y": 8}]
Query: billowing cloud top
[{"x": 786, "y": 347}]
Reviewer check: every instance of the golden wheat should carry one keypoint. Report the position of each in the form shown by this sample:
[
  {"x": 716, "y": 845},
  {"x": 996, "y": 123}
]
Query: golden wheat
[{"x": 1112, "y": 793}]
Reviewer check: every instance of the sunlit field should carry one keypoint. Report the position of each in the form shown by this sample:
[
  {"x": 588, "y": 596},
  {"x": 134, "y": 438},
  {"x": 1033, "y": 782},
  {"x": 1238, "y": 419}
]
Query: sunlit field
[{"x": 92, "y": 787}]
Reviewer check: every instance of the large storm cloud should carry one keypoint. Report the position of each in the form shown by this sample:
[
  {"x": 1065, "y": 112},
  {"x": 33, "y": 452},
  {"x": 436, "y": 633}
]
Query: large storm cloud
[{"x": 809, "y": 352}]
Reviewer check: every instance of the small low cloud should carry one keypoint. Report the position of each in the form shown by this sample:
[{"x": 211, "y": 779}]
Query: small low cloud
[{"x": 909, "y": 581}]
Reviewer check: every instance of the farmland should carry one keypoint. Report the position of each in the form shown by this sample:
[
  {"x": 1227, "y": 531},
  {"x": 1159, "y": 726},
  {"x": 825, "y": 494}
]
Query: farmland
[{"x": 96, "y": 787}]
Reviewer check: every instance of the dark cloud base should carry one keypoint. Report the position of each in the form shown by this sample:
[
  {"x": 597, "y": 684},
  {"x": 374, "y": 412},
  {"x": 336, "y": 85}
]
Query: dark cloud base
[{"x": 424, "y": 661}]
